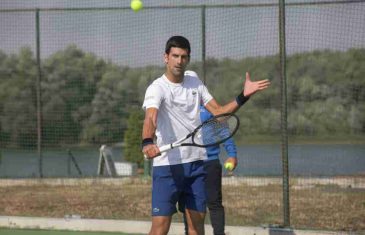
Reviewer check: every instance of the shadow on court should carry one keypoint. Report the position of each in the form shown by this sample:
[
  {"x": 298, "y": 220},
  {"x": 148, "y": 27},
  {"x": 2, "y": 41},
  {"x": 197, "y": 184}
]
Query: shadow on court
[{"x": 281, "y": 231}]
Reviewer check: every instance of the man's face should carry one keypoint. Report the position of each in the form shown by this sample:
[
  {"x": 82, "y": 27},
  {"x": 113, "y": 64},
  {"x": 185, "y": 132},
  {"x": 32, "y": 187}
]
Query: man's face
[{"x": 176, "y": 61}]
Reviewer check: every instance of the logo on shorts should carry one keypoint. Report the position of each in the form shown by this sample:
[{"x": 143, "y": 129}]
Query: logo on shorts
[{"x": 156, "y": 209}]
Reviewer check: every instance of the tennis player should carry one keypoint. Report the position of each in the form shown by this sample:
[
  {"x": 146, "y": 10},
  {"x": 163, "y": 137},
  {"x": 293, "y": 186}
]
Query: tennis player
[{"x": 171, "y": 107}]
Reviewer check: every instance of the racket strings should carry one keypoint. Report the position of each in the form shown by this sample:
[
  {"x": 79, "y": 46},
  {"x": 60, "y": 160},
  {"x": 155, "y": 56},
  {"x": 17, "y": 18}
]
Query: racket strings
[{"x": 216, "y": 130}]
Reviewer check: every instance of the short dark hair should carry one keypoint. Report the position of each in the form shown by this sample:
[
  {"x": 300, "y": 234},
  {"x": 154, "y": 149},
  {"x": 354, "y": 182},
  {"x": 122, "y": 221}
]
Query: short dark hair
[{"x": 177, "y": 41}]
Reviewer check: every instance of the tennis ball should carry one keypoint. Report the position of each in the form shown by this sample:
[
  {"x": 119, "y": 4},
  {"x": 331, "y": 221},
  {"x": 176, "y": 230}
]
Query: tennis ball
[
  {"x": 136, "y": 5},
  {"x": 228, "y": 166}
]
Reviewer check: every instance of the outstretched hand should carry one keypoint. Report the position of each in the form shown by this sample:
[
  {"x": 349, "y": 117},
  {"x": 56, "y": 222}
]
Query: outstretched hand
[{"x": 251, "y": 87}]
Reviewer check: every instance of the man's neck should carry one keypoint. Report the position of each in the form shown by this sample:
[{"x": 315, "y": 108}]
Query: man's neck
[{"x": 174, "y": 79}]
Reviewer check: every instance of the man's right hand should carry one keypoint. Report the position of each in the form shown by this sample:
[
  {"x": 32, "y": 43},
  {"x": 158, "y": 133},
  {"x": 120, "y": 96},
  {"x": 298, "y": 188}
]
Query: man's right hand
[{"x": 151, "y": 151}]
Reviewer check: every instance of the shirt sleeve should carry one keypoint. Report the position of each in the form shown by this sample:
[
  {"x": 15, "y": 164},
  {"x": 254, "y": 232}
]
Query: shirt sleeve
[
  {"x": 153, "y": 97},
  {"x": 206, "y": 96},
  {"x": 230, "y": 147}
]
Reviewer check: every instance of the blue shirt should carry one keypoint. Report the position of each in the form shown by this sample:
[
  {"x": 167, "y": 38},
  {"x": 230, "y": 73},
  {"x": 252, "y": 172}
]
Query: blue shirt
[{"x": 214, "y": 151}]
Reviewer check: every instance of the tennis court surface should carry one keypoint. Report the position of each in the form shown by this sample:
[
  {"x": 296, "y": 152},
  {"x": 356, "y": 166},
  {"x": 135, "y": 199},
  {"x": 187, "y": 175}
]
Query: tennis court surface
[{"x": 4, "y": 231}]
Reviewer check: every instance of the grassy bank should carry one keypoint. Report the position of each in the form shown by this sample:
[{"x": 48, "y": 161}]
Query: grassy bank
[{"x": 328, "y": 207}]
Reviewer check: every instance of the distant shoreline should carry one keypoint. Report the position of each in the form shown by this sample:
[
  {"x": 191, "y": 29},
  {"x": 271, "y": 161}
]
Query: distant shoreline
[{"x": 293, "y": 140}]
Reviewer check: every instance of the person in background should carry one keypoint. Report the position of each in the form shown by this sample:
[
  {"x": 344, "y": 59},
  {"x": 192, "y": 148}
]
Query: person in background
[{"x": 213, "y": 184}]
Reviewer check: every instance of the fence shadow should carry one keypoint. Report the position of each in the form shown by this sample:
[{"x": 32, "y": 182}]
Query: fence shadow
[{"x": 281, "y": 231}]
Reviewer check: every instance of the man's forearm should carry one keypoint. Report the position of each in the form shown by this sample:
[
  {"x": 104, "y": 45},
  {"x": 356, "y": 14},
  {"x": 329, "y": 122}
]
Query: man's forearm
[
  {"x": 149, "y": 124},
  {"x": 217, "y": 109}
]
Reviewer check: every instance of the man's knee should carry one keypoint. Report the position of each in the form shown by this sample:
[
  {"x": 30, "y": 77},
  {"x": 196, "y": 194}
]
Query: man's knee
[
  {"x": 160, "y": 225},
  {"x": 195, "y": 221}
]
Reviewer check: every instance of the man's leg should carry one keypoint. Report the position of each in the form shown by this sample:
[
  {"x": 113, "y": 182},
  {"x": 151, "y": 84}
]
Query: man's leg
[
  {"x": 214, "y": 196},
  {"x": 195, "y": 195},
  {"x": 164, "y": 198},
  {"x": 160, "y": 225},
  {"x": 195, "y": 222},
  {"x": 181, "y": 206}
]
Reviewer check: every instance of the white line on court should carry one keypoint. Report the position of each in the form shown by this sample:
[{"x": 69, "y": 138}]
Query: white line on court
[{"x": 141, "y": 227}]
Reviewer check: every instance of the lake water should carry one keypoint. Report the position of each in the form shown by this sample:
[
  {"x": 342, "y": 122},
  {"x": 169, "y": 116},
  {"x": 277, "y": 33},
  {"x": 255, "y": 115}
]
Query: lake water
[{"x": 254, "y": 160}]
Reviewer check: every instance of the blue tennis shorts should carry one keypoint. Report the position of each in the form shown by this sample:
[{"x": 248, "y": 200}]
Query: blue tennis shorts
[{"x": 172, "y": 183}]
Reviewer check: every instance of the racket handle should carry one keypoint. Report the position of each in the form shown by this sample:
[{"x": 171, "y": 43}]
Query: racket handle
[
  {"x": 162, "y": 149},
  {"x": 165, "y": 148}
]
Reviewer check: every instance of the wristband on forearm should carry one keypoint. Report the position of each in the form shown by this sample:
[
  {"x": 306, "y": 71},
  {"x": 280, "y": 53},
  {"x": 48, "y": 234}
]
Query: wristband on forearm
[
  {"x": 146, "y": 141},
  {"x": 241, "y": 99}
]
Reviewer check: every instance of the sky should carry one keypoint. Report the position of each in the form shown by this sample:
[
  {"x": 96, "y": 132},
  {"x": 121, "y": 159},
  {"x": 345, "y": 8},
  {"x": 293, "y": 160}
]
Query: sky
[{"x": 138, "y": 39}]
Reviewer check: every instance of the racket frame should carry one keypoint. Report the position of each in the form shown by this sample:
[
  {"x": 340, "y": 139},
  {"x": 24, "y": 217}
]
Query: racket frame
[{"x": 180, "y": 142}]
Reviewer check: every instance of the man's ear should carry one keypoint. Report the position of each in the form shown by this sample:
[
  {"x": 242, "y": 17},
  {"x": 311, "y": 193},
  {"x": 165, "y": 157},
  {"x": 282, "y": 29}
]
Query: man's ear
[{"x": 166, "y": 58}]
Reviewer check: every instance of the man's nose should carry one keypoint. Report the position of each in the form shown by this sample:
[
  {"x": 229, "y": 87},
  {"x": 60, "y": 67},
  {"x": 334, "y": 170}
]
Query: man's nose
[{"x": 179, "y": 60}]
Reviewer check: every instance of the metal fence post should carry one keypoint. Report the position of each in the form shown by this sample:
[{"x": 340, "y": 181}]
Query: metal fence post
[
  {"x": 284, "y": 131},
  {"x": 39, "y": 96},
  {"x": 203, "y": 45}
]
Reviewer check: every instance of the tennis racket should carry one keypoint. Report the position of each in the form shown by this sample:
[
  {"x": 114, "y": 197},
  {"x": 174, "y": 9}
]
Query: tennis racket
[{"x": 211, "y": 132}]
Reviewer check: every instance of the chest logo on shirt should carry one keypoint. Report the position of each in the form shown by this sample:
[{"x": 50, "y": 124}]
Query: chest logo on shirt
[{"x": 194, "y": 92}]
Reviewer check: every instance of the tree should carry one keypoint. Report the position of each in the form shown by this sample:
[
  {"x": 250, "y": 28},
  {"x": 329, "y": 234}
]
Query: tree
[
  {"x": 106, "y": 119},
  {"x": 18, "y": 99},
  {"x": 133, "y": 138},
  {"x": 69, "y": 85}
]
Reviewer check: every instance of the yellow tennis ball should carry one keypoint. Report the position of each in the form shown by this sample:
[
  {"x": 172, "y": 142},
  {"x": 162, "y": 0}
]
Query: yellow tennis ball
[
  {"x": 228, "y": 166},
  {"x": 136, "y": 5}
]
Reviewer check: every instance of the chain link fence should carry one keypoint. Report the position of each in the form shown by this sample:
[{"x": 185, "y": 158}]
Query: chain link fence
[{"x": 73, "y": 77}]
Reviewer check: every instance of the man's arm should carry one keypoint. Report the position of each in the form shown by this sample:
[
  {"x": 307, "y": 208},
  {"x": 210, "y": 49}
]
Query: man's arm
[
  {"x": 150, "y": 123},
  {"x": 148, "y": 133},
  {"x": 250, "y": 88},
  {"x": 231, "y": 150},
  {"x": 215, "y": 108}
]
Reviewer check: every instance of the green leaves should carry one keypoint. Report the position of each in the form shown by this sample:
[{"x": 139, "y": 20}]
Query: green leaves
[
  {"x": 86, "y": 100},
  {"x": 133, "y": 138}
]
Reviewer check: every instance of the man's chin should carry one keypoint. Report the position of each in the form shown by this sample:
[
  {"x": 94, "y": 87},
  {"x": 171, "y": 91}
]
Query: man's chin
[{"x": 178, "y": 72}]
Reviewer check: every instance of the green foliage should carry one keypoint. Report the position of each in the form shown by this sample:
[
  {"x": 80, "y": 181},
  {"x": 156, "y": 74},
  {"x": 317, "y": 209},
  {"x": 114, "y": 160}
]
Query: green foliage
[
  {"x": 69, "y": 85},
  {"x": 18, "y": 98},
  {"x": 86, "y": 100},
  {"x": 133, "y": 138}
]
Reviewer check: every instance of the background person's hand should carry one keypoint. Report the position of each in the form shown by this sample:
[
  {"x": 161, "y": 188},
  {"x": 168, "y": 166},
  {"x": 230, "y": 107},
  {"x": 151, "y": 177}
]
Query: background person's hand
[{"x": 233, "y": 161}]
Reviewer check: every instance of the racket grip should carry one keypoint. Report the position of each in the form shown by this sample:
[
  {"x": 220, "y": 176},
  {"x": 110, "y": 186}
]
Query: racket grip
[
  {"x": 165, "y": 148},
  {"x": 162, "y": 149}
]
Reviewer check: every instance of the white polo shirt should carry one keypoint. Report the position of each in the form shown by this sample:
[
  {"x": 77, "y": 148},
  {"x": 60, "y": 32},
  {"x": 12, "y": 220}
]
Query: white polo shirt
[{"x": 178, "y": 107}]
